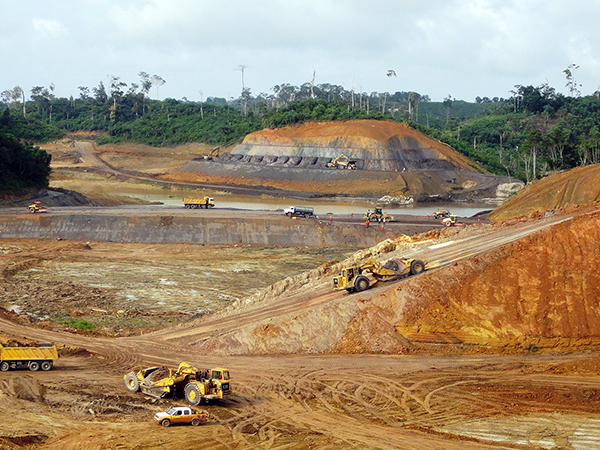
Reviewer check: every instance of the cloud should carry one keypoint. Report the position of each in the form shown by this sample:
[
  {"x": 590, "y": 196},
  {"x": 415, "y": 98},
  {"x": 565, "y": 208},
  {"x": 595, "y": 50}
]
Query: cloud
[{"x": 44, "y": 28}]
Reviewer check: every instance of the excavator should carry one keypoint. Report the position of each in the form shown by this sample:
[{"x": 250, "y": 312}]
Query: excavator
[
  {"x": 213, "y": 154},
  {"x": 341, "y": 162},
  {"x": 362, "y": 277}
]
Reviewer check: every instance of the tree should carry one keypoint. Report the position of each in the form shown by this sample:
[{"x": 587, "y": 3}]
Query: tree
[
  {"x": 157, "y": 81},
  {"x": 390, "y": 73},
  {"x": 15, "y": 96},
  {"x": 571, "y": 83}
]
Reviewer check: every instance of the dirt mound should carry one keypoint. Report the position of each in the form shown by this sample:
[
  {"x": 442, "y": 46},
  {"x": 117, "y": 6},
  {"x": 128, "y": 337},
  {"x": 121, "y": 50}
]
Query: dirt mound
[
  {"x": 530, "y": 294},
  {"x": 23, "y": 387},
  {"x": 578, "y": 186}
]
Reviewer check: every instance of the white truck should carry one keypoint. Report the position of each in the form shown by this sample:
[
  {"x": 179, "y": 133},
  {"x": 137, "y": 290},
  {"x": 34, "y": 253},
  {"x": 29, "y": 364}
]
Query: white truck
[{"x": 299, "y": 211}]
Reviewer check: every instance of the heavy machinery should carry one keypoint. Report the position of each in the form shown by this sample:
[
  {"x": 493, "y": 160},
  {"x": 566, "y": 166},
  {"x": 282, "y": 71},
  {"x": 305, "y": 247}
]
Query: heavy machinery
[
  {"x": 32, "y": 358},
  {"x": 213, "y": 154},
  {"x": 195, "y": 203},
  {"x": 341, "y": 162},
  {"x": 452, "y": 221},
  {"x": 441, "y": 214},
  {"x": 36, "y": 207},
  {"x": 299, "y": 211},
  {"x": 187, "y": 381},
  {"x": 377, "y": 215},
  {"x": 360, "y": 278}
]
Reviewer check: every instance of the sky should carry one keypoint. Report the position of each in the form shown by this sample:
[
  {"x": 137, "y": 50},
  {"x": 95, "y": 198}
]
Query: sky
[{"x": 440, "y": 48}]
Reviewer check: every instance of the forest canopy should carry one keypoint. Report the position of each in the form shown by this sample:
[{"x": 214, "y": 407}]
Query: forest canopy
[
  {"x": 535, "y": 131},
  {"x": 22, "y": 167}
]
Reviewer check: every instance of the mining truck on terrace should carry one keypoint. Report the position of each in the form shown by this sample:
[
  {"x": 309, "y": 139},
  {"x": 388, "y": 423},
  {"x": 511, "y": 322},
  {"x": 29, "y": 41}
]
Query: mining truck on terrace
[
  {"x": 187, "y": 381},
  {"x": 341, "y": 162},
  {"x": 362, "y": 277}
]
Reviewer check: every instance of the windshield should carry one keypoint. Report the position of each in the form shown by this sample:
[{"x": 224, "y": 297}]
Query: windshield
[
  {"x": 171, "y": 410},
  {"x": 218, "y": 375}
]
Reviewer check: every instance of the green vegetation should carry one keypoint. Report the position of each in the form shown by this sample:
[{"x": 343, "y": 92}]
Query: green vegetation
[
  {"x": 22, "y": 167},
  {"x": 79, "y": 324},
  {"x": 535, "y": 131}
]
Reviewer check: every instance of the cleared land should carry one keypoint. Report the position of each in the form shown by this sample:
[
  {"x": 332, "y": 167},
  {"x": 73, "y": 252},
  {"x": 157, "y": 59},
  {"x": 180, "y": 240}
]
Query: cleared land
[{"x": 313, "y": 368}]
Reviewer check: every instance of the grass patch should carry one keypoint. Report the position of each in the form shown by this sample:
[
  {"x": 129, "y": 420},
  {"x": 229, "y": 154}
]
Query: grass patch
[{"x": 79, "y": 324}]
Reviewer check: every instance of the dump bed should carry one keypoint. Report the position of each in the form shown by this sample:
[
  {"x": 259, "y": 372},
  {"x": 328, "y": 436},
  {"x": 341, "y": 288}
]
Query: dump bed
[{"x": 43, "y": 352}]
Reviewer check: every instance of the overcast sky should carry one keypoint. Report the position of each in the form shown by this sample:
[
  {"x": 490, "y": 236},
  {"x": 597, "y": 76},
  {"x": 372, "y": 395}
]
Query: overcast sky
[{"x": 461, "y": 48}]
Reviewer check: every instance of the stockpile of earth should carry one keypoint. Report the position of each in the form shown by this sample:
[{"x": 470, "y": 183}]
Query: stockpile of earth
[
  {"x": 389, "y": 158},
  {"x": 576, "y": 187}
]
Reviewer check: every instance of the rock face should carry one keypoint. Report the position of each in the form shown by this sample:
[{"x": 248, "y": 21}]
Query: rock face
[
  {"x": 372, "y": 144},
  {"x": 389, "y": 159}
]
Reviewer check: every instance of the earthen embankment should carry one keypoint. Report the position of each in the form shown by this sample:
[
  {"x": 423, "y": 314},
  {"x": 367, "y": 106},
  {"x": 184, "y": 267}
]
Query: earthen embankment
[{"x": 168, "y": 228}]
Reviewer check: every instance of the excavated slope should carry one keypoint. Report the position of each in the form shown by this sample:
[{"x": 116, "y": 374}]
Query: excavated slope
[
  {"x": 579, "y": 186},
  {"x": 541, "y": 291},
  {"x": 390, "y": 159},
  {"x": 373, "y": 144}
]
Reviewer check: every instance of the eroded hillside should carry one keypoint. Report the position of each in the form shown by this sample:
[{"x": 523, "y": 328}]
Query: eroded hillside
[
  {"x": 576, "y": 187},
  {"x": 540, "y": 291}
]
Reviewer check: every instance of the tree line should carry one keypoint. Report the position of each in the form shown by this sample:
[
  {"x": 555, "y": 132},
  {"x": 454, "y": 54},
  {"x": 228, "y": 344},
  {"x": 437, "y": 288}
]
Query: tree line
[{"x": 534, "y": 131}]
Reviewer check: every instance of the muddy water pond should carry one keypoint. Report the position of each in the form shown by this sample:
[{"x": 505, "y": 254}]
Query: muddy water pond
[{"x": 321, "y": 207}]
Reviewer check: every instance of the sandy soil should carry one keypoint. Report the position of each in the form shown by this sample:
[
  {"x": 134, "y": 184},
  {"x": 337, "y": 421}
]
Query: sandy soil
[{"x": 317, "y": 396}]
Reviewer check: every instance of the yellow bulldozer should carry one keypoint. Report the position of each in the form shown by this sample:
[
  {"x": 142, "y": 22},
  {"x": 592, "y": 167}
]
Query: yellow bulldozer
[
  {"x": 362, "y": 277},
  {"x": 189, "y": 382}
]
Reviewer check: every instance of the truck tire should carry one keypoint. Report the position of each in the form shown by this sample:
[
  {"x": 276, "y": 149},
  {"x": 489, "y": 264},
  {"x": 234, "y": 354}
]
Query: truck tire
[
  {"x": 34, "y": 366},
  {"x": 4, "y": 366},
  {"x": 195, "y": 422},
  {"x": 416, "y": 267},
  {"x": 165, "y": 422},
  {"x": 132, "y": 384},
  {"x": 46, "y": 365},
  {"x": 192, "y": 394},
  {"x": 361, "y": 284}
]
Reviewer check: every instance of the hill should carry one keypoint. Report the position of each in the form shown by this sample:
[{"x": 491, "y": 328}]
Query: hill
[
  {"x": 390, "y": 159},
  {"x": 577, "y": 186}
]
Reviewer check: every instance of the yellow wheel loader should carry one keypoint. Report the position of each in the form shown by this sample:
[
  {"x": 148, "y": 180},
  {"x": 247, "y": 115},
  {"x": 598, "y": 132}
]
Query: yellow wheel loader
[
  {"x": 187, "y": 381},
  {"x": 360, "y": 278}
]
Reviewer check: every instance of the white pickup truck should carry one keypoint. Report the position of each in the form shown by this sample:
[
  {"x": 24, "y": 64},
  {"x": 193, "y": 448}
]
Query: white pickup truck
[{"x": 180, "y": 415}]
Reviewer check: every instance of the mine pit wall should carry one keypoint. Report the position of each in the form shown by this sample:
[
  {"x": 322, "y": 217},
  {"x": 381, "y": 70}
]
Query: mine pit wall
[{"x": 195, "y": 230}]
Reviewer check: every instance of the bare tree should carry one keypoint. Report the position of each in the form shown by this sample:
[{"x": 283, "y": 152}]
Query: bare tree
[
  {"x": 390, "y": 73},
  {"x": 201, "y": 108},
  {"x": 571, "y": 83},
  {"x": 157, "y": 81},
  {"x": 245, "y": 94}
]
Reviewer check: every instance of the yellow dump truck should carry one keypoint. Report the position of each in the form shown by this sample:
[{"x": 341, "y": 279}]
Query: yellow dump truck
[
  {"x": 32, "y": 358},
  {"x": 204, "y": 202}
]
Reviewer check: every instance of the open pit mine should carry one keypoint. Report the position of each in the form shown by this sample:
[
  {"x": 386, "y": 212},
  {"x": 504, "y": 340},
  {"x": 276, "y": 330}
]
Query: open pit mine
[{"x": 368, "y": 156}]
